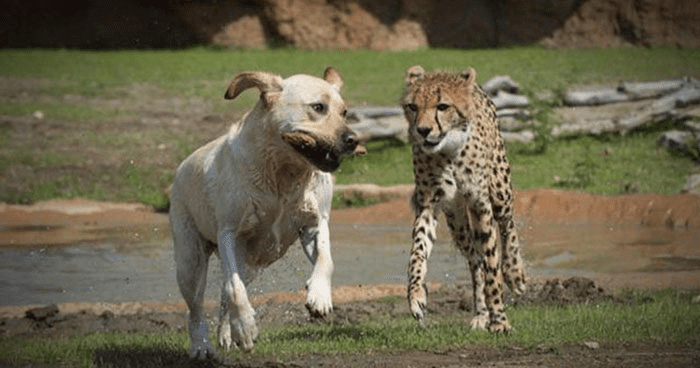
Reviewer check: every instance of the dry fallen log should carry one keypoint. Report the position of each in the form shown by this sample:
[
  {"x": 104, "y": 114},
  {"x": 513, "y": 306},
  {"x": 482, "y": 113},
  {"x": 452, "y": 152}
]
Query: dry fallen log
[
  {"x": 504, "y": 99},
  {"x": 524, "y": 136},
  {"x": 598, "y": 96},
  {"x": 586, "y": 126},
  {"x": 687, "y": 96},
  {"x": 513, "y": 113},
  {"x": 641, "y": 90},
  {"x": 378, "y": 122},
  {"x": 662, "y": 109},
  {"x": 629, "y": 91},
  {"x": 500, "y": 83}
]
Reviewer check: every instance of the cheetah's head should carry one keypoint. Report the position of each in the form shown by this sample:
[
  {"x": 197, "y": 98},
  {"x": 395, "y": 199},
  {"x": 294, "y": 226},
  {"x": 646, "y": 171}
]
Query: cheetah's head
[{"x": 437, "y": 106}]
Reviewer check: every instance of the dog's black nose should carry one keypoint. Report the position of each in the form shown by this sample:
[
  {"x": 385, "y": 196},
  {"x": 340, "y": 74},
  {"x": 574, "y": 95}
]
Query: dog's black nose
[
  {"x": 350, "y": 140},
  {"x": 423, "y": 131}
]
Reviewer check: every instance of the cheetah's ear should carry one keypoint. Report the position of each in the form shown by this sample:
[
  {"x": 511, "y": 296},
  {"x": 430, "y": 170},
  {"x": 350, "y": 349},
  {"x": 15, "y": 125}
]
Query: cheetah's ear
[
  {"x": 469, "y": 75},
  {"x": 413, "y": 74}
]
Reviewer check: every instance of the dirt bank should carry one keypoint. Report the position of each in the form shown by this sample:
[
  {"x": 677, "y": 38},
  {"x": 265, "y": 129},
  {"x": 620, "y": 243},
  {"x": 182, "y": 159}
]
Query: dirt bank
[{"x": 359, "y": 24}]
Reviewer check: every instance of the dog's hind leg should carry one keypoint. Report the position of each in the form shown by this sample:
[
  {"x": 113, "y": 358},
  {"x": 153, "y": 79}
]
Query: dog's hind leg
[
  {"x": 317, "y": 245},
  {"x": 237, "y": 315},
  {"x": 192, "y": 258}
]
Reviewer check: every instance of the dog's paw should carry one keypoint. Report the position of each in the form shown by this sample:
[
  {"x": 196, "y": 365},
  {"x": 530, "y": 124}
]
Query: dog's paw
[
  {"x": 479, "y": 322},
  {"x": 202, "y": 350},
  {"x": 225, "y": 340},
  {"x": 244, "y": 332},
  {"x": 200, "y": 346},
  {"x": 318, "y": 299}
]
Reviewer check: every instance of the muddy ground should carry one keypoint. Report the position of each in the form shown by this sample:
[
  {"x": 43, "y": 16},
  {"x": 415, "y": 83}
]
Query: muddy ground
[
  {"x": 107, "y": 266},
  {"x": 642, "y": 241}
]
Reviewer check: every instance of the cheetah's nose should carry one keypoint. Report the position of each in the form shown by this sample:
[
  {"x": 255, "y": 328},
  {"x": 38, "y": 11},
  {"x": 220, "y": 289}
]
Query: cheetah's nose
[{"x": 423, "y": 131}]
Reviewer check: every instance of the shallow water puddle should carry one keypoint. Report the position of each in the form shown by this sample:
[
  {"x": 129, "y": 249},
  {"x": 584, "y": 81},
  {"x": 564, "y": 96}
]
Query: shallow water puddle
[{"x": 131, "y": 260}]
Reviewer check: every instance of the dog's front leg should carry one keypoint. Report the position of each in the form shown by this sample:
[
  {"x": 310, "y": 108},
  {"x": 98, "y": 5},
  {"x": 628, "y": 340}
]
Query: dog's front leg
[
  {"x": 237, "y": 322},
  {"x": 317, "y": 246}
]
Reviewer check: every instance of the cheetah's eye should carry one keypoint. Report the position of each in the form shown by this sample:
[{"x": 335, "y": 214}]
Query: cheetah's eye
[
  {"x": 412, "y": 107},
  {"x": 318, "y": 107},
  {"x": 443, "y": 107}
]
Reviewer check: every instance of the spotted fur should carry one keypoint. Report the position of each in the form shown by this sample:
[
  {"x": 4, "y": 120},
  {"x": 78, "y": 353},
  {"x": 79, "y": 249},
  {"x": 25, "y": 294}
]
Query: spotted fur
[{"x": 461, "y": 170}]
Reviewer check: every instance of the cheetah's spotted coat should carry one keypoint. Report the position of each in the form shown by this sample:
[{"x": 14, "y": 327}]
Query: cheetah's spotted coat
[{"x": 461, "y": 169}]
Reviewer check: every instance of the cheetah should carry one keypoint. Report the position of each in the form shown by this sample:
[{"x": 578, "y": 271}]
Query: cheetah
[{"x": 461, "y": 170}]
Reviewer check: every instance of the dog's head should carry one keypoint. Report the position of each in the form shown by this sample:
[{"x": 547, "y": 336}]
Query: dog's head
[{"x": 305, "y": 112}]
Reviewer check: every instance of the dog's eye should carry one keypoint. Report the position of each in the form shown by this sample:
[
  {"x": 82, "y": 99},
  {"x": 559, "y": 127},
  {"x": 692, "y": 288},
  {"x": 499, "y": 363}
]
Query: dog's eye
[
  {"x": 412, "y": 107},
  {"x": 345, "y": 113},
  {"x": 318, "y": 107},
  {"x": 443, "y": 107}
]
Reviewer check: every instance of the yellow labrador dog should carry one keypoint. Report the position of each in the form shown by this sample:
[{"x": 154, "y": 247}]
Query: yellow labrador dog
[{"x": 252, "y": 193}]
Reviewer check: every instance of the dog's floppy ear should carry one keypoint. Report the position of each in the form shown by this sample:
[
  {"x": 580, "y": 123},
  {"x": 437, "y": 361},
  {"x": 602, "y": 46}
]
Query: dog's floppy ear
[
  {"x": 265, "y": 82},
  {"x": 333, "y": 77},
  {"x": 413, "y": 74}
]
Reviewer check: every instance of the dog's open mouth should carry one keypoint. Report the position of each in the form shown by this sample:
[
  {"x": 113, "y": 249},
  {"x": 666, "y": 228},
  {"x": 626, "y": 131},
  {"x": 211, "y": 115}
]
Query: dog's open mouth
[{"x": 323, "y": 155}]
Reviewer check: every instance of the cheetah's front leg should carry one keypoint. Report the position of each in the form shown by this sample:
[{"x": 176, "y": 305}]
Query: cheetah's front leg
[
  {"x": 513, "y": 267},
  {"x": 485, "y": 236},
  {"x": 423, "y": 237}
]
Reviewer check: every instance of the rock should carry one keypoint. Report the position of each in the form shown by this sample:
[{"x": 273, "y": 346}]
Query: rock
[
  {"x": 678, "y": 140},
  {"x": 692, "y": 125},
  {"x": 592, "y": 345},
  {"x": 692, "y": 185}
]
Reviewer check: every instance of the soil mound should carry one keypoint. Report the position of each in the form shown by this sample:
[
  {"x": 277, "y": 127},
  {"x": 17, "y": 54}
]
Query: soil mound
[{"x": 575, "y": 290}]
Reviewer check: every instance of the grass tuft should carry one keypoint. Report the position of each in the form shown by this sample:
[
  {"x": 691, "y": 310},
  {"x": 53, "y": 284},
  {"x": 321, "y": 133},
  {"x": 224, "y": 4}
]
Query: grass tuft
[{"x": 663, "y": 317}]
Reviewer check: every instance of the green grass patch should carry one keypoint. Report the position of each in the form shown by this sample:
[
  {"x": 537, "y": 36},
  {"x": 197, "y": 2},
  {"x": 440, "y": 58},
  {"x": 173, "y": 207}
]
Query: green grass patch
[
  {"x": 373, "y": 77},
  {"x": 665, "y": 317},
  {"x": 607, "y": 164},
  {"x": 64, "y": 112},
  {"x": 389, "y": 162}
]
